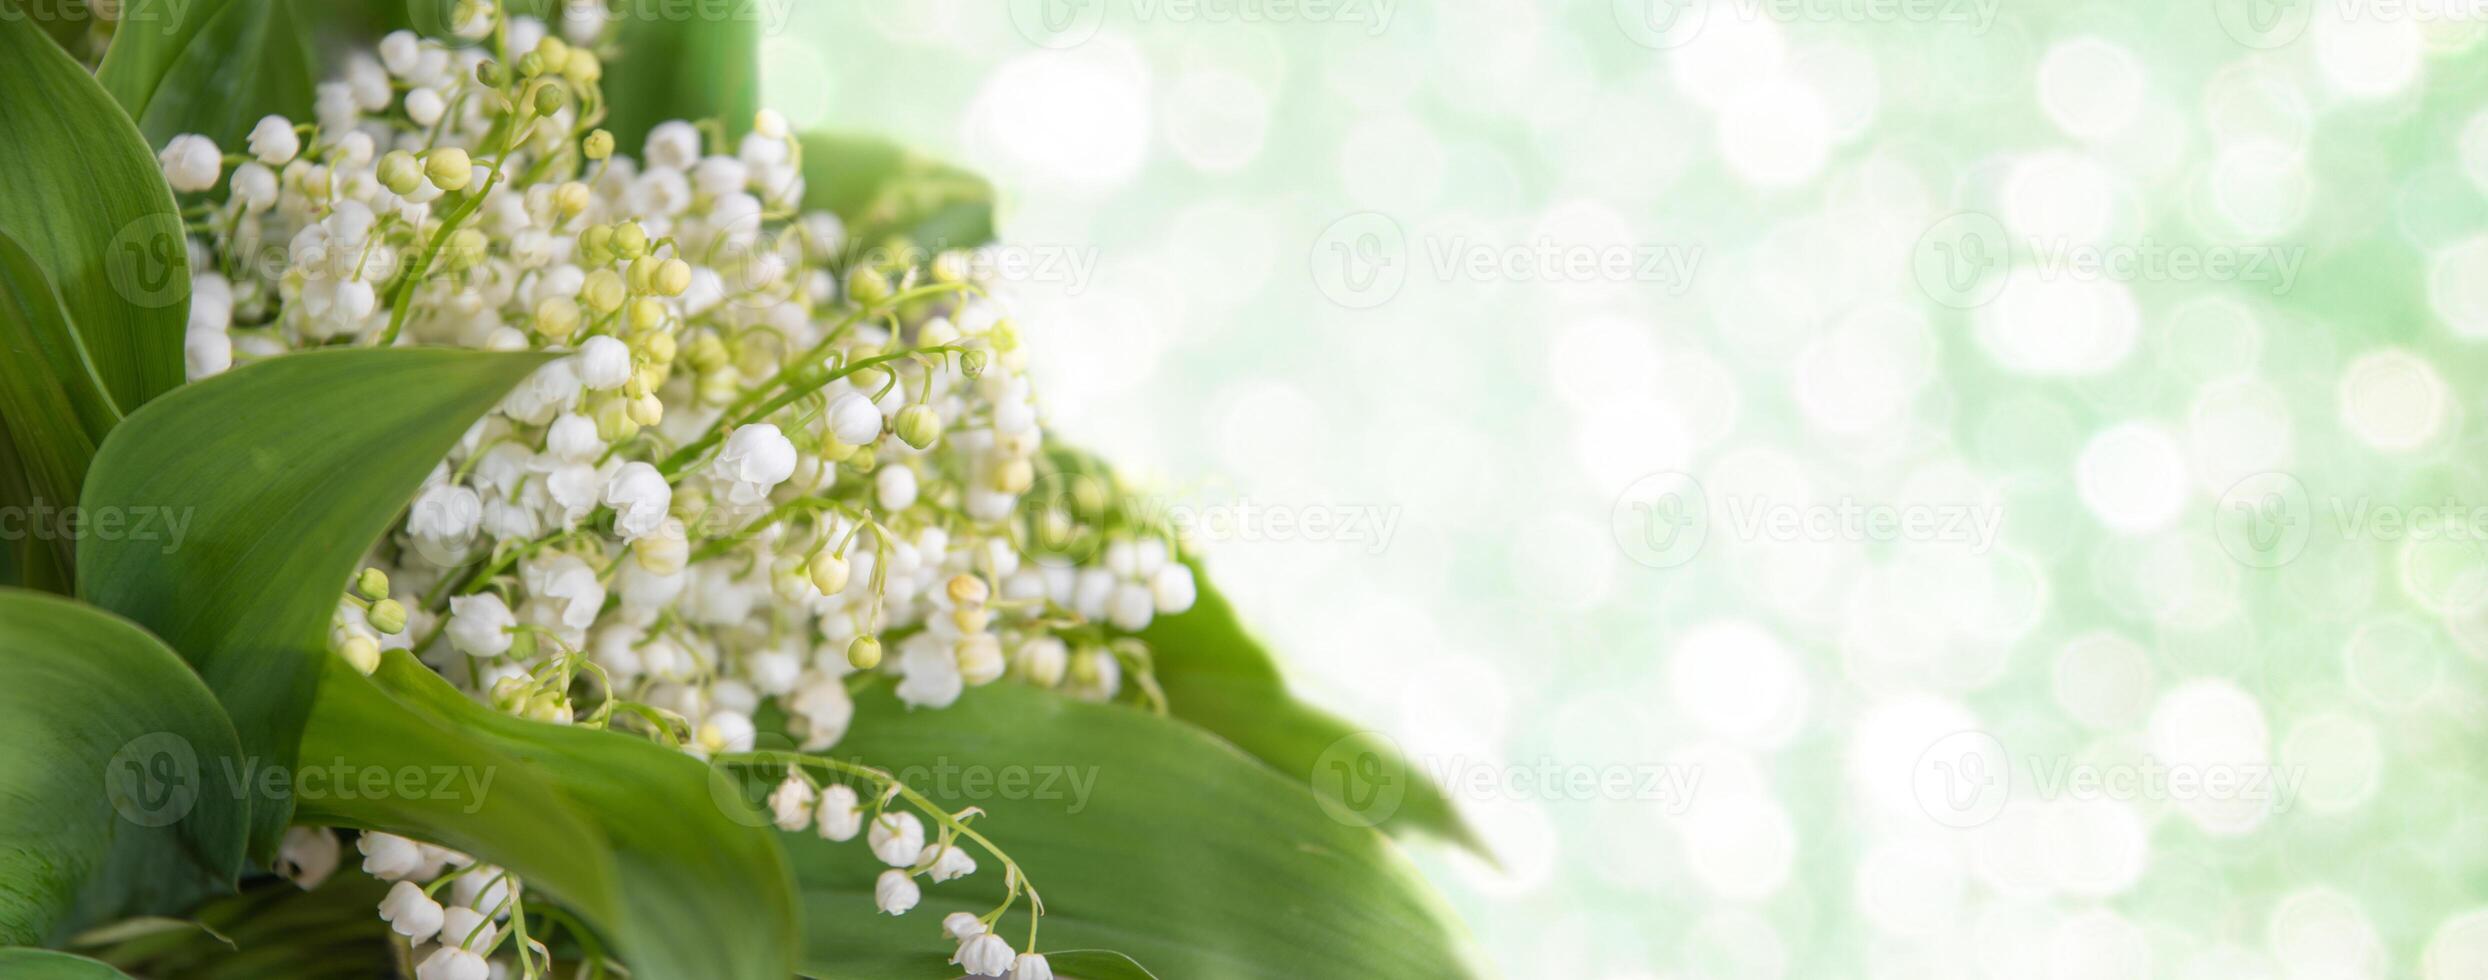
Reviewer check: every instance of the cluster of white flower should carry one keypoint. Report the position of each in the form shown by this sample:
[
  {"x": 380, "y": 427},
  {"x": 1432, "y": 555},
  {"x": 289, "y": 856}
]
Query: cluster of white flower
[
  {"x": 758, "y": 458},
  {"x": 452, "y": 940}
]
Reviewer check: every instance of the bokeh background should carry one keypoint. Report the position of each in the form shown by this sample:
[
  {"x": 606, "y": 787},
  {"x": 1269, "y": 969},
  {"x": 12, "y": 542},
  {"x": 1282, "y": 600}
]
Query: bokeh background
[{"x": 1997, "y": 479}]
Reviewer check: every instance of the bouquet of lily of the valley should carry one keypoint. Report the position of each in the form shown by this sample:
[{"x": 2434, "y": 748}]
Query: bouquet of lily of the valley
[{"x": 485, "y": 500}]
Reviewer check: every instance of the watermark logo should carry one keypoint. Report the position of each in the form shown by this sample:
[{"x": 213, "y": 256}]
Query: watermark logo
[
  {"x": 1965, "y": 779},
  {"x": 1662, "y": 520},
  {"x": 147, "y": 261},
  {"x": 2265, "y": 519},
  {"x": 1060, "y": 24},
  {"x": 153, "y": 781},
  {"x": 1361, "y": 779},
  {"x": 1963, "y": 261},
  {"x": 1057, "y": 24},
  {"x": 1665, "y": 24},
  {"x": 1361, "y": 261},
  {"x": 40, "y": 520},
  {"x": 2263, "y": 24}
]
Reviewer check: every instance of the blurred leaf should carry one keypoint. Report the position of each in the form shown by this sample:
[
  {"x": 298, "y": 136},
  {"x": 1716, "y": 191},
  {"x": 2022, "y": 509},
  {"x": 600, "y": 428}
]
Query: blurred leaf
[
  {"x": 146, "y": 45},
  {"x": 1144, "y": 835},
  {"x": 690, "y": 61},
  {"x": 883, "y": 191},
  {"x": 85, "y": 197},
  {"x": 119, "y": 774},
  {"x": 251, "y": 61},
  {"x": 52, "y": 404},
  {"x": 1096, "y": 964},
  {"x": 71, "y": 23},
  {"x": 145, "y": 927},
  {"x": 264, "y": 486},
  {"x": 272, "y": 929},
  {"x": 39, "y": 964},
  {"x": 626, "y": 832},
  {"x": 1218, "y": 677}
]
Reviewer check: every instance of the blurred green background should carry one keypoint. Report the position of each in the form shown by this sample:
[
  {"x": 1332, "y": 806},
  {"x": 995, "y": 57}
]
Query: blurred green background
[{"x": 1842, "y": 488}]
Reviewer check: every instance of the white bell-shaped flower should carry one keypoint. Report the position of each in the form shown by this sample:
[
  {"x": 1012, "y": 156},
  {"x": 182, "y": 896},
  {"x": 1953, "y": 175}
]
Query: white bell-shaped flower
[{"x": 411, "y": 913}]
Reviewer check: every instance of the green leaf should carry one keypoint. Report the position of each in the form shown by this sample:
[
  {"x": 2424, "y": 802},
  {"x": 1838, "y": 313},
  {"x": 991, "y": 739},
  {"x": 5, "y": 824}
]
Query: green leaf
[
  {"x": 118, "y": 774},
  {"x": 627, "y": 833},
  {"x": 885, "y": 192},
  {"x": 691, "y": 61},
  {"x": 51, "y": 402},
  {"x": 252, "y": 61},
  {"x": 249, "y": 498},
  {"x": 84, "y": 196},
  {"x": 146, "y": 47},
  {"x": 1218, "y": 677},
  {"x": 71, "y": 23},
  {"x": 40, "y": 964},
  {"x": 1144, "y": 836}
]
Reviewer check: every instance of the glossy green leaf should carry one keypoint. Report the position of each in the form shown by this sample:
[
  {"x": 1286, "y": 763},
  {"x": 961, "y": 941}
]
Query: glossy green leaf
[
  {"x": 119, "y": 774},
  {"x": 1218, "y": 677},
  {"x": 691, "y": 61},
  {"x": 51, "y": 402},
  {"x": 250, "y": 62},
  {"x": 248, "y": 498},
  {"x": 885, "y": 192},
  {"x": 71, "y": 23},
  {"x": 627, "y": 833},
  {"x": 147, "y": 45},
  {"x": 43, "y": 964},
  {"x": 84, "y": 196},
  {"x": 1144, "y": 835}
]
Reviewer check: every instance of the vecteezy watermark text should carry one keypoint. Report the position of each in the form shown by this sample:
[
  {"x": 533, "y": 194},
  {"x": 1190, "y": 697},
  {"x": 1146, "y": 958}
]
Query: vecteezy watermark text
[
  {"x": 1663, "y": 520},
  {"x": 1673, "y": 23},
  {"x": 1963, "y": 261},
  {"x": 40, "y": 520},
  {"x": 157, "y": 779},
  {"x": 1069, "y": 23},
  {"x": 1361, "y": 261},
  {"x": 1965, "y": 779},
  {"x": 1363, "y": 778}
]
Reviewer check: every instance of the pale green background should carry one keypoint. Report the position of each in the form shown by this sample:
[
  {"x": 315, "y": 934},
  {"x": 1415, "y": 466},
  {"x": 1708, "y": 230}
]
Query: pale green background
[{"x": 1811, "y": 153}]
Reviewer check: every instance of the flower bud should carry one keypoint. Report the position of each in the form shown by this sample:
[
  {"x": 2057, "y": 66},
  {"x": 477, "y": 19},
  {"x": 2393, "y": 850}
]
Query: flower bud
[
  {"x": 647, "y": 410},
  {"x": 643, "y": 273},
  {"x": 829, "y": 572},
  {"x": 400, "y": 173},
  {"x": 557, "y": 317},
  {"x": 584, "y": 68},
  {"x": 968, "y": 590},
  {"x": 555, "y": 53},
  {"x": 613, "y": 420},
  {"x": 388, "y": 616},
  {"x": 372, "y": 584},
  {"x": 630, "y": 240},
  {"x": 659, "y": 346},
  {"x": 664, "y": 554},
  {"x": 673, "y": 278},
  {"x": 707, "y": 353},
  {"x": 530, "y": 65},
  {"x": 466, "y": 249},
  {"x": 362, "y": 652},
  {"x": 864, "y": 653},
  {"x": 605, "y": 291},
  {"x": 572, "y": 199},
  {"x": 450, "y": 168},
  {"x": 599, "y": 145},
  {"x": 551, "y": 99},
  {"x": 972, "y": 364},
  {"x": 919, "y": 426},
  {"x": 1014, "y": 476},
  {"x": 490, "y": 74},
  {"x": 867, "y": 286}
]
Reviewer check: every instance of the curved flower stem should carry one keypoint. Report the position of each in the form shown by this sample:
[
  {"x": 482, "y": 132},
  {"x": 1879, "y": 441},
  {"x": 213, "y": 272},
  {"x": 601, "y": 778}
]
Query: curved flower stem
[
  {"x": 1016, "y": 879},
  {"x": 674, "y": 464}
]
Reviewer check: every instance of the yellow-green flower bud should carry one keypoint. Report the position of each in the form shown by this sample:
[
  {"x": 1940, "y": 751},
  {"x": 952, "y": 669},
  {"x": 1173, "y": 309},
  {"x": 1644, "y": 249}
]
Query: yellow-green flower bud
[
  {"x": 489, "y": 73},
  {"x": 596, "y": 244},
  {"x": 647, "y": 314},
  {"x": 867, "y": 286},
  {"x": 919, "y": 426},
  {"x": 673, "y": 278},
  {"x": 643, "y": 271},
  {"x": 372, "y": 585},
  {"x": 400, "y": 172},
  {"x": 647, "y": 411},
  {"x": 466, "y": 249},
  {"x": 387, "y": 616},
  {"x": 605, "y": 291},
  {"x": 551, "y": 98},
  {"x": 584, "y": 68},
  {"x": 572, "y": 198},
  {"x": 659, "y": 346},
  {"x": 1005, "y": 335},
  {"x": 1015, "y": 475},
  {"x": 530, "y": 65},
  {"x": 968, "y": 590},
  {"x": 449, "y": 168},
  {"x": 557, "y": 317},
  {"x": 707, "y": 353},
  {"x": 864, "y": 653},
  {"x": 630, "y": 240},
  {"x": 829, "y": 572},
  {"x": 613, "y": 420},
  {"x": 362, "y": 652},
  {"x": 554, "y": 51},
  {"x": 599, "y": 145}
]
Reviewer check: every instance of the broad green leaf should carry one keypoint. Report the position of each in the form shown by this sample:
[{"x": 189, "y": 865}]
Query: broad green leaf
[
  {"x": 71, "y": 23},
  {"x": 119, "y": 774},
  {"x": 1217, "y": 676},
  {"x": 627, "y": 833},
  {"x": 1145, "y": 837},
  {"x": 43, "y": 964},
  {"x": 272, "y": 929},
  {"x": 84, "y": 196},
  {"x": 147, "y": 45},
  {"x": 248, "y": 499},
  {"x": 684, "y": 61},
  {"x": 51, "y": 402},
  {"x": 250, "y": 62},
  {"x": 886, "y": 193},
  {"x": 30, "y": 561}
]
